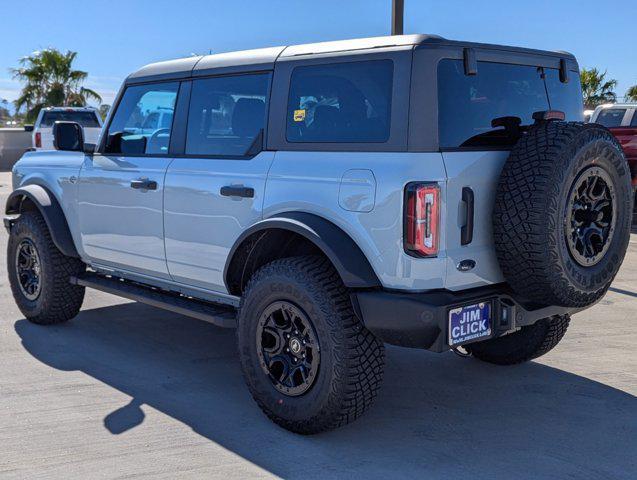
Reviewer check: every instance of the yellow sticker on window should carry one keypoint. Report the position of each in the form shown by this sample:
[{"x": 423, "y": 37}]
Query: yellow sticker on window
[{"x": 299, "y": 115}]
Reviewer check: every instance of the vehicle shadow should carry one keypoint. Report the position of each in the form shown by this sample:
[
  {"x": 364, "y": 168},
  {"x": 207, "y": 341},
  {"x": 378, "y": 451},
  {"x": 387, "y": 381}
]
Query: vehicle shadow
[{"x": 438, "y": 415}]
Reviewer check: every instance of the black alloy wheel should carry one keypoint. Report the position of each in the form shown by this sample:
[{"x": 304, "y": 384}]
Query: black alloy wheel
[
  {"x": 28, "y": 269},
  {"x": 288, "y": 348},
  {"x": 590, "y": 216}
]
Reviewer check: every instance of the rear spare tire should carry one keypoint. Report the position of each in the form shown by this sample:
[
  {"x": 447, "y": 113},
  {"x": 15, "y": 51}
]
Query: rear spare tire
[{"x": 562, "y": 213}]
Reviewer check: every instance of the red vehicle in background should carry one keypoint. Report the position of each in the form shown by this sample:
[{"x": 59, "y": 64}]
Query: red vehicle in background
[{"x": 621, "y": 119}]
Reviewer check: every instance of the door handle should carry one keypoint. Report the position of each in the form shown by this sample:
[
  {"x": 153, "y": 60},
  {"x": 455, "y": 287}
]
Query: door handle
[
  {"x": 237, "y": 191},
  {"x": 466, "y": 232},
  {"x": 143, "y": 184}
]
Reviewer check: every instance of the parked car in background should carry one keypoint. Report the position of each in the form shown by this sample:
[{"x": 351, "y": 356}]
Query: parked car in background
[
  {"x": 86, "y": 117},
  {"x": 587, "y": 115},
  {"x": 621, "y": 119}
]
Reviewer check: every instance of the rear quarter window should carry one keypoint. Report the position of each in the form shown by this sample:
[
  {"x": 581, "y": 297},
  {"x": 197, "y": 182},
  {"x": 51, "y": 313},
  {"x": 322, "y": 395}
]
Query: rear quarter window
[
  {"x": 340, "y": 103},
  {"x": 488, "y": 109}
]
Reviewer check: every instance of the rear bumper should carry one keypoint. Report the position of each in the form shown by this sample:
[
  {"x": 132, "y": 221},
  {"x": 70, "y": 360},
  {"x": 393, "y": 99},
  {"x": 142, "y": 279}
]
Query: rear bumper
[{"x": 419, "y": 320}]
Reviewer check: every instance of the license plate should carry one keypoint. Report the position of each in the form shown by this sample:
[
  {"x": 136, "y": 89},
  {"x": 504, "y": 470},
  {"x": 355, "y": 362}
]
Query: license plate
[{"x": 469, "y": 323}]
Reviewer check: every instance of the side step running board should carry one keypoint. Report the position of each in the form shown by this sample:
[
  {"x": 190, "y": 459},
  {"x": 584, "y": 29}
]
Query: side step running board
[{"x": 219, "y": 315}]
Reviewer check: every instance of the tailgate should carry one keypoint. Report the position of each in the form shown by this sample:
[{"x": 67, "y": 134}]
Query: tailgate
[{"x": 480, "y": 172}]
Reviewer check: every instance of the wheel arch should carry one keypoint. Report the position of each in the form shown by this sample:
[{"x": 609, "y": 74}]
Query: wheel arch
[
  {"x": 43, "y": 200},
  {"x": 293, "y": 233}
]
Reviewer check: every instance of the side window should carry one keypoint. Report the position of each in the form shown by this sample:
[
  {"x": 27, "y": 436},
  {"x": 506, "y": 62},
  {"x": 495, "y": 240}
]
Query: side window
[
  {"x": 142, "y": 122},
  {"x": 227, "y": 114},
  {"x": 633, "y": 122},
  {"x": 611, "y": 117},
  {"x": 340, "y": 102}
]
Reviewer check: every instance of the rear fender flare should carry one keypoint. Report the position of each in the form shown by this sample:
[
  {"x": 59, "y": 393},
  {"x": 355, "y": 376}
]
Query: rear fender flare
[{"x": 346, "y": 256}]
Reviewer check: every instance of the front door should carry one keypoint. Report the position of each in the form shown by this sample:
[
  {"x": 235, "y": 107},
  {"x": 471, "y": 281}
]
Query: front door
[
  {"x": 121, "y": 190},
  {"x": 215, "y": 190}
]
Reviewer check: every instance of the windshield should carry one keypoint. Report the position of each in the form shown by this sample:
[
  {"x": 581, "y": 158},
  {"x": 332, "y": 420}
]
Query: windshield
[
  {"x": 85, "y": 119},
  {"x": 491, "y": 108}
]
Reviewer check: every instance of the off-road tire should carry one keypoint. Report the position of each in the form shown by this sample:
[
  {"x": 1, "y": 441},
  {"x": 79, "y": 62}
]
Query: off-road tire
[
  {"x": 526, "y": 344},
  {"x": 58, "y": 300},
  {"x": 351, "y": 358},
  {"x": 531, "y": 208}
]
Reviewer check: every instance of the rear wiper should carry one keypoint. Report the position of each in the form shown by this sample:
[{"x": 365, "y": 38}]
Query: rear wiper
[{"x": 511, "y": 124}]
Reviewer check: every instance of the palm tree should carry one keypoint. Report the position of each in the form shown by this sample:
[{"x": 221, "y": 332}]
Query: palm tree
[
  {"x": 50, "y": 80},
  {"x": 5, "y": 115},
  {"x": 596, "y": 89},
  {"x": 631, "y": 94}
]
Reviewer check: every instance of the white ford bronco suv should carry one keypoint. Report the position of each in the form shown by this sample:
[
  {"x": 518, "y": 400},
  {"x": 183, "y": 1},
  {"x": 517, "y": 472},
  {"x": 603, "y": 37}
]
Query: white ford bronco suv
[{"x": 326, "y": 199}]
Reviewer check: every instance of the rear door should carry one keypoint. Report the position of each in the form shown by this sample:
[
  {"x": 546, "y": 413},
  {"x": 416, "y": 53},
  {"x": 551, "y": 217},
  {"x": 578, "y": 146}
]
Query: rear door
[
  {"x": 214, "y": 189},
  {"x": 121, "y": 190},
  {"x": 479, "y": 120}
]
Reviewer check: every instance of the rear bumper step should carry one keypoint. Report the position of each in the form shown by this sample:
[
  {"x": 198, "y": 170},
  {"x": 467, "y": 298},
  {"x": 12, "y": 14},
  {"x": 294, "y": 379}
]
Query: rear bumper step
[
  {"x": 420, "y": 320},
  {"x": 219, "y": 315}
]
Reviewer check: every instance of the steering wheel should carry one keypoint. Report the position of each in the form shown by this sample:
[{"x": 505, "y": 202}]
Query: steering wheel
[{"x": 153, "y": 138}]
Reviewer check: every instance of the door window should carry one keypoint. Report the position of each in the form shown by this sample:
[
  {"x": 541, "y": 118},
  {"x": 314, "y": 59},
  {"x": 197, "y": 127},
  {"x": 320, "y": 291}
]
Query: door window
[
  {"x": 142, "y": 123},
  {"x": 633, "y": 122},
  {"x": 340, "y": 102},
  {"x": 227, "y": 115}
]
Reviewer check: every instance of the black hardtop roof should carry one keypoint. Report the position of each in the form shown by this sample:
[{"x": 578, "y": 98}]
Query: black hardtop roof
[{"x": 264, "y": 58}]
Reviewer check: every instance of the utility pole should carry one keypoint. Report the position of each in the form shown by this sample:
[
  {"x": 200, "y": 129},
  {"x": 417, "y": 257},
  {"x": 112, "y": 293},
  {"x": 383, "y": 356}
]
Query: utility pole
[{"x": 397, "y": 16}]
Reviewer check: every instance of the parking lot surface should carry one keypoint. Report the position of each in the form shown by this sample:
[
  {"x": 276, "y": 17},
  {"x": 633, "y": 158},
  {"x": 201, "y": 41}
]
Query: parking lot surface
[{"x": 126, "y": 390}]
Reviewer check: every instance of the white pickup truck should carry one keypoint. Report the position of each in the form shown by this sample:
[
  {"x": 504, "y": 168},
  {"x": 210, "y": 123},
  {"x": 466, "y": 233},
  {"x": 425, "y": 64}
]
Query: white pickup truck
[{"x": 86, "y": 117}]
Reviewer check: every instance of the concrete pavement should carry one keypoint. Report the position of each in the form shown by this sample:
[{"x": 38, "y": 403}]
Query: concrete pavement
[{"x": 125, "y": 390}]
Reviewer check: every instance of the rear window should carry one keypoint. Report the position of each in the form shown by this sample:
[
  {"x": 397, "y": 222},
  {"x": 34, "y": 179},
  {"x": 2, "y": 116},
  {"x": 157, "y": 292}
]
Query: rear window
[
  {"x": 341, "y": 102},
  {"x": 488, "y": 109},
  {"x": 611, "y": 117},
  {"x": 85, "y": 119}
]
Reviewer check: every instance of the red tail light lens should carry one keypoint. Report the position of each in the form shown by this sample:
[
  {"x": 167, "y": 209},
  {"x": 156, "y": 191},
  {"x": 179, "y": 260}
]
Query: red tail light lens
[
  {"x": 422, "y": 219},
  {"x": 38, "y": 140}
]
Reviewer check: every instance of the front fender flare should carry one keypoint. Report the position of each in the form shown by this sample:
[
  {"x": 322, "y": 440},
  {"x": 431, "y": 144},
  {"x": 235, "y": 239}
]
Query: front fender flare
[
  {"x": 346, "y": 256},
  {"x": 51, "y": 211}
]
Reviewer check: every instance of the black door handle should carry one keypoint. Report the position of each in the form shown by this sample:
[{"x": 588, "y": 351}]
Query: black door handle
[
  {"x": 143, "y": 184},
  {"x": 466, "y": 232},
  {"x": 237, "y": 191}
]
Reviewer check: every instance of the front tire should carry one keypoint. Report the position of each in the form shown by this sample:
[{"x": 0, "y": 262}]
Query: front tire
[
  {"x": 309, "y": 362},
  {"x": 526, "y": 344},
  {"x": 39, "y": 273}
]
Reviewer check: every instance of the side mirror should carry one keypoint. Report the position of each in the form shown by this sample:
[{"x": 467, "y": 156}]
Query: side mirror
[
  {"x": 68, "y": 136},
  {"x": 28, "y": 128}
]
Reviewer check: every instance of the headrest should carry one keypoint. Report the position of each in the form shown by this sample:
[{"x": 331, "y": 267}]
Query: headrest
[
  {"x": 326, "y": 116},
  {"x": 248, "y": 117}
]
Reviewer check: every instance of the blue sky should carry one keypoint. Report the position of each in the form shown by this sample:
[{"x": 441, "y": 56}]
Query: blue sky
[{"x": 116, "y": 37}]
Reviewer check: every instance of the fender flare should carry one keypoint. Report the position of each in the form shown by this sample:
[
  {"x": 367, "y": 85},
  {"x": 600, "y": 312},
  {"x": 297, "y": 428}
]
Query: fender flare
[
  {"x": 51, "y": 211},
  {"x": 346, "y": 256}
]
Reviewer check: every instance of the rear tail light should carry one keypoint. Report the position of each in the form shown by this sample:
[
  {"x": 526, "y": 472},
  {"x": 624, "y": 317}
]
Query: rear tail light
[
  {"x": 422, "y": 219},
  {"x": 38, "y": 140}
]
